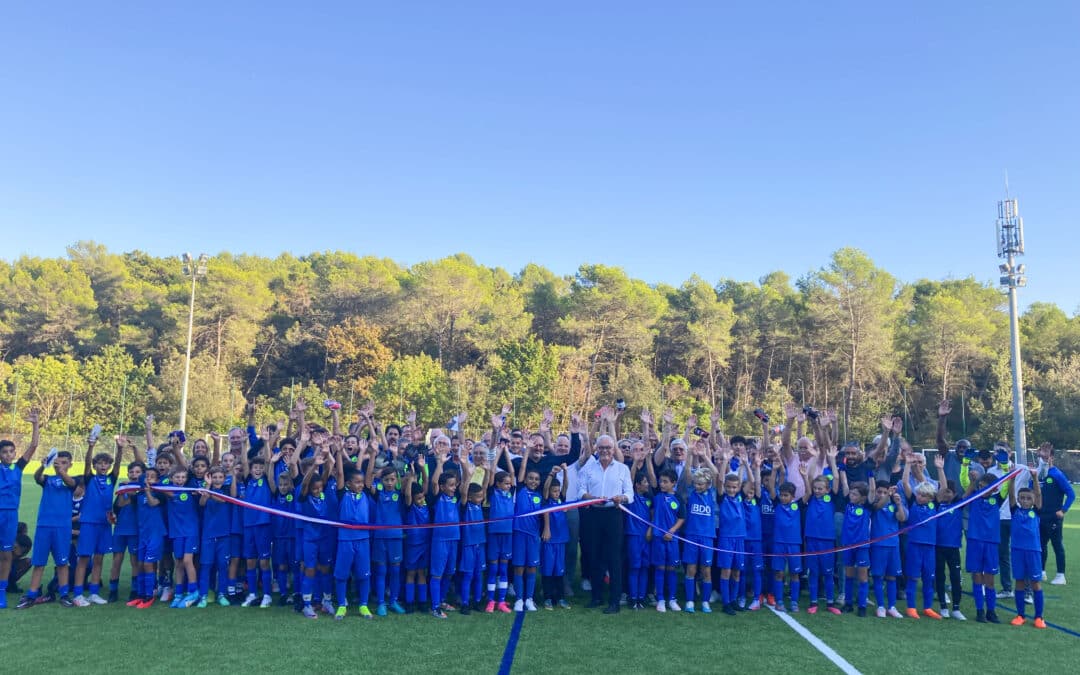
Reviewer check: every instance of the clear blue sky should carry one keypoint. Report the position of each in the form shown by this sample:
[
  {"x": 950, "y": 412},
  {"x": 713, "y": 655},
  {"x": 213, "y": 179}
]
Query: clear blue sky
[{"x": 668, "y": 138}]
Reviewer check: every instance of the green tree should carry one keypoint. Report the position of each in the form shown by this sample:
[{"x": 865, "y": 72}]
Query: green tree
[
  {"x": 525, "y": 373},
  {"x": 416, "y": 383},
  {"x": 355, "y": 347}
]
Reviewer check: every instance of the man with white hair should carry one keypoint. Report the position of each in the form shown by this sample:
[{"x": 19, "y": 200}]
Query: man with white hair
[{"x": 604, "y": 478}]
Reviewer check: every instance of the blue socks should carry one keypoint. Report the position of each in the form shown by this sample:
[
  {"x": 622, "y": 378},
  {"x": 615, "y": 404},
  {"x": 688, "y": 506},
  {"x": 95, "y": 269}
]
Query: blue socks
[
  {"x": 706, "y": 590},
  {"x": 891, "y": 585},
  {"x": 849, "y": 590},
  {"x": 909, "y": 593},
  {"x": 342, "y": 599},
  {"x": 267, "y": 581},
  {"x": 928, "y": 593},
  {"x": 421, "y": 592},
  {"x": 410, "y": 593},
  {"x": 689, "y": 587},
  {"x": 307, "y": 588},
  {"x": 778, "y": 591},
  {"x": 794, "y": 592},
  {"x": 671, "y": 581},
  {"x": 114, "y": 585},
  {"x": 530, "y": 585},
  {"x": 814, "y": 595},
  {"x": 991, "y": 599},
  {"x": 1018, "y": 595},
  {"x": 879, "y": 592},
  {"x": 756, "y": 584},
  {"x": 725, "y": 592},
  {"x": 436, "y": 590},
  {"x": 395, "y": 583},
  {"x": 519, "y": 585},
  {"x": 204, "y": 579},
  {"x": 1039, "y": 604},
  {"x": 252, "y": 578},
  {"x": 363, "y": 590},
  {"x": 978, "y": 592},
  {"x": 830, "y": 593},
  {"x": 380, "y": 583},
  {"x": 658, "y": 581}
]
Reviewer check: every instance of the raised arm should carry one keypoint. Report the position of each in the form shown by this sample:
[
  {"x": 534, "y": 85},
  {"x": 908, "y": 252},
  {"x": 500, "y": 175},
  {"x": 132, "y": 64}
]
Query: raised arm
[
  {"x": 34, "y": 417},
  {"x": 786, "y": 452},
  {"x": 944, "y": 408}
]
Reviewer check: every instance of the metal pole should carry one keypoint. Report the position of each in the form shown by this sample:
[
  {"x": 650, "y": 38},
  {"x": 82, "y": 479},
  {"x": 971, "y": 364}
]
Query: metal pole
[
  {"x": 71, "y": 401},
  {"x": 903, "y": 392},
  {"x": 292, "y": 387},
  {"x": 1019, "y": 429},
  {"x": 963, "y": 411},
  {"x": 15, "y": 407},
  {"x": 187, "y": 357},
  {"x": 123, "y": 406}
]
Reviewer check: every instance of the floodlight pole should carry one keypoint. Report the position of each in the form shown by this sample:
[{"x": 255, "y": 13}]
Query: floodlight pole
[
  {"x": 1010, "y": 243},
  {"x": 194, "y": 269}
]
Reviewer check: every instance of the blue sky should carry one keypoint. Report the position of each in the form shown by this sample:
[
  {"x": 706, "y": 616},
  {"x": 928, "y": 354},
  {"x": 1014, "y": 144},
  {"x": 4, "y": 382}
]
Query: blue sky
[{"x": 726, "y": 139}]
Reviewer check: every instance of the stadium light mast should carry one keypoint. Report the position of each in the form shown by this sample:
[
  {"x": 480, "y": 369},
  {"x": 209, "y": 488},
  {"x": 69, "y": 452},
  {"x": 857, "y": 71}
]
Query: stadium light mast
[
  {"x": 193, "y": 268},
  {"x": 1010, "y": 244}
]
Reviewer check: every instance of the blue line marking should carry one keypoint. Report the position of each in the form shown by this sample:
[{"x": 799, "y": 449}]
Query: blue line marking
[
  {"x": 1063, "y": 629},
  {"x": 511, "y": 644}
]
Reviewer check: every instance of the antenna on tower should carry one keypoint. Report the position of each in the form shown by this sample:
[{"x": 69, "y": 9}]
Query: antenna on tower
[{"x": 1006, "y": 183}]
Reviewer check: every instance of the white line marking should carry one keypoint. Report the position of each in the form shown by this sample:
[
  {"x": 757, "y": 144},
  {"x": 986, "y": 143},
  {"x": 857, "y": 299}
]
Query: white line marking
[{"x": 825, "y": 649}]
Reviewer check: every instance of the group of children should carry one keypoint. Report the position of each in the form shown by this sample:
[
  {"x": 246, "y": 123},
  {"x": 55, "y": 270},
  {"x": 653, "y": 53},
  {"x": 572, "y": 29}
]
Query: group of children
[{"x": 313, "y": 519}]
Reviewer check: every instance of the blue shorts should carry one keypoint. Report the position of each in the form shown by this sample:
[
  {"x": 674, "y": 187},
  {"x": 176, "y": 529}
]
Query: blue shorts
[
  {"x": 472, "y": 559},
  {"x": 317, "y": 553},
  {"x": 500, "y": 546},
  {"x": 125, "y": 542},
  {"x": 664, "y": 553},
  {"x": 386, "y": 551},
  {"x": 553, "y": 560},
  {"x": 885, "y": 561},
  {"x": 1027, "y": 565},
  {"x": 353, "y": 558},
  {"x": 698, "y": 555},
  {"x": 443, "y": 557},
  {"x": 54, "y": 540},
  {"x": 416, "y": 557},
  {"x": 151, "y": 549},
  {"x": 94, "y": 539},
  {"x": 783, "y": 558},
  {"x": 755, "y": 558},
  {"x": 920, "y": 560},
  {"x": 637, "y": 552},
  {"x": 182, "y": 546},
  {"x": 819, "y": 564},
  {"x": 284, "y": 552},
  {"x": 731, "y": 561},
  {"x": 236, "y": 545},
  {"x": 257, "y": 540},
  {"x": 214, "y": 552},
  {"x": 982, "y": 558},
  {"x": 9, "y": 528},
  {"x": 857, "y": 557},
  {"x": 526, "y": 550}
]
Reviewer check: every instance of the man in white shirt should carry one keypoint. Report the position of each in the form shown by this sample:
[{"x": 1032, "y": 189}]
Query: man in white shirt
[{"x": 604, "y": 478}]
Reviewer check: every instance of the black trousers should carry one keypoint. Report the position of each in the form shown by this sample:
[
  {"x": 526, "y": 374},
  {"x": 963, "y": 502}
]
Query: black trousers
[
  {"x": 1050, "y": 532},
  {"x": 948, "y": 559},
  {"x": 605, "y": 543}
]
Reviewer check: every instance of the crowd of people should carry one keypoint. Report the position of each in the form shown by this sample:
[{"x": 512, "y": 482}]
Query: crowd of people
[{"x": 402, "y": 518}]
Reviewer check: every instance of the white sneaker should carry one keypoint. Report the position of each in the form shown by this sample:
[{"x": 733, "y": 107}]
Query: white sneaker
[
  {"x": 328, "y": 606},
  {"x": 881, "y": 612},
  {"x": 530, "y": 606},
  {"x": 249, "y": 600},
  {"x": 755, "y": 605},
  {"x": 80, "y": 601},
  {"x": 894, "y": 613},
  {"x": 948, "y": 600},
  {"x": 660, "y": 607},
  {"x": 839, "y": 599},
  {"x": 958, "y": 616},
  {"x": 1059, "y": 580},
  {"x": 586, "y": 585},
  {"x": 715, "y": 597},
  {"x": 1004, "y": 594},
  {"x": 690, "y": 606},
  {"x": 166, "y": 594},
  {"x": 742, "y": 603},
  {"x": 274, "y": 586},
  {"x": 622, "y": 599},
  {"x": 673, "y": 606},
  {"x": 98, "y": 600},
  {"x": 519, "y": 605},
  {"x": 1044, "y": 575},
  {"x": 706, "y": 608},
  {"x": 267, "y": 601},
  {"x": 1029, "y": 598},
  {"x": 944, "y": 613}
]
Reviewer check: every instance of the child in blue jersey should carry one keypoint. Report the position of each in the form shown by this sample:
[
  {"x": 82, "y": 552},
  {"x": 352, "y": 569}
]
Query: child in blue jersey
[
  {"x": 500, "y": 535},
  {"x": 259, "y": 490},
  {"x": 183, "y": 526},
  {"x": 417, "y": 539},
  {"x": 164, "y": 463},
  {"x": 386, "y": 544},
  {"x": 95, "y": 531},
  {"x": 1026, "y": 549},
  {"x": 473, "y": 543},
  {"x": 669, "y": 515},
  {"x": 526, "y": 537},
  {"x": 787, "y": 541},
  {"x": 770, "y": 478},
  {"x": 555, "y": 536},
  {"x": 150, "y": 511},
  {"x": 950, "y": 535},
  {"x": 888, "y": 512},
  {"x": 317, "y": 554},
  {"x": 820, "y": 533},
  {"x": 53, "y": 534},
  {"x": 444, "y": 539},
  {"x": 920, "y": 554},
  {"x": 755, "y": 559},
  {"x": 699, "y": 532},
  {"x": 855, "y": 531},
  {"x": 635, "y": 531},
  {"x": 283, "y": 552},
  {"x": 11, "y": 474},
  {"x": 214, "y": 544},
  {"x": 234, "y": 473},
  {"x": 732, "y": 542},
  {"x": 983, "y": 538},
  {"x": 355, "y": 507},
  {"x": 125, "y": 533}
]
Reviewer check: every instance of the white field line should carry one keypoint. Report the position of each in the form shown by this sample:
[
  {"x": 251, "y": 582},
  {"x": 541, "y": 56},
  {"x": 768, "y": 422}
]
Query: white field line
[{"x": 825, "y": 649}]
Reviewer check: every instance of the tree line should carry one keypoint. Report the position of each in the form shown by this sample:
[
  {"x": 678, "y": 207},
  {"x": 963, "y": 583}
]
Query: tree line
[{"x": 99, "y": 337}]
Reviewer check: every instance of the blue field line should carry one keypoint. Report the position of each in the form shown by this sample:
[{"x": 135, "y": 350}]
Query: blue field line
[
  {"x": 511, "y": 644},
  {"x": 1063, "y": 629}
]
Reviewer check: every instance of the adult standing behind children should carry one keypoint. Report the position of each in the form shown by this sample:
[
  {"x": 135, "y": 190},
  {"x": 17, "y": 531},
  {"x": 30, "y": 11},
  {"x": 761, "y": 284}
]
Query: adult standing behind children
[
  {"x": 604, "y": 478},
  {"x": 1057, "y": 497}
]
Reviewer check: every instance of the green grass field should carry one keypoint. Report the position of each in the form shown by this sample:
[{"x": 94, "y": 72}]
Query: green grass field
[{"x": 95, "y": 639}]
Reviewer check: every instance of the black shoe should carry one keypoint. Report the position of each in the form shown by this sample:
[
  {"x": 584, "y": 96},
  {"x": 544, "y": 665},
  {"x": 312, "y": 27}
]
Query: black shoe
[
  {"x": 465, "y": 611},
  {"x": 992, "y": 617},
  {"x": 65, "y": 601},
  {"x": 740, "y": 608},
  {"x": 846, "y": 609},
  {"x": 980, "y": 616},
  {"x": 45, "y": 599},
  {"x": 26, "y": 601},
  {"x": 113, "y": 596},
  {"x": 612, "y": 609},
  {"x": 730, "y": 610},
  {"x": 862, "y": 612}
]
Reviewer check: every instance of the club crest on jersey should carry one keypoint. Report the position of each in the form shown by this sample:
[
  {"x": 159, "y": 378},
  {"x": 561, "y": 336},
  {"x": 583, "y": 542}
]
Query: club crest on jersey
[
  {"x": 648, "y": 502},
  {"x": 859, "y": 511},
  {"x": 794, "y": 506},
  {"x": 183, "y": 496},
  {"x": 536, "y": 499},
  {"x": 993, "y": 502},
  {"x": 394, "y": 497},
  {"x": 827, "y": 498},
  {"x": 259, "y": 483},
  {"x": 674, "y": 505},
  {"x": 1049, "y": 480},
  {"x": 288, "y": 498}
]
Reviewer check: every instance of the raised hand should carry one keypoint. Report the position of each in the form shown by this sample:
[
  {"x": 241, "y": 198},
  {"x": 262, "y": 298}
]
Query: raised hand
[
  {"x": 149, "y": 421},
  {"x": 411, "y": 418},
  {"x": 668, "y": 416},
  {"x": 897, "y": 425},
  {"x": 939, "y": 461},
  {"x": 646, "y": 416},
  {"x": 714, "y": 416},
  {"x": 790, "y": 410},
  {"x": 34, "y": 416},
  {"x": 886, "y": 423},
  {"x": 575, "y": 425},
  {"x": 801, "y": 417},
  {"x": 691, "y": 421},
  {"x": 300, "y": 405},
  {"x": 944, "y": 408},
  {"x": 638, "y": 453},
  {"x": 497, "y": 421},
  {"x": 803, "y": 469}
]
